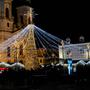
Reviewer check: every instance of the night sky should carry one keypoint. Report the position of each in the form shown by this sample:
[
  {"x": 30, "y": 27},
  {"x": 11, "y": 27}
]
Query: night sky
[{"x": 63, "y": 18}]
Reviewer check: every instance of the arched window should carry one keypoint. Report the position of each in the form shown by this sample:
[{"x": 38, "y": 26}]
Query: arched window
[
  {"x": 7, "y": 13},
  {"x": 21, "y": 50},
  {"x": 8, "y": 52},
  {"x": 7, "y": 24}
]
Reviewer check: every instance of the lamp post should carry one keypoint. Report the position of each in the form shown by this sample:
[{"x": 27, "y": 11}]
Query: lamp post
[
  {"x": 88, "y": 50},
  {"x": 62, "y": 42}
]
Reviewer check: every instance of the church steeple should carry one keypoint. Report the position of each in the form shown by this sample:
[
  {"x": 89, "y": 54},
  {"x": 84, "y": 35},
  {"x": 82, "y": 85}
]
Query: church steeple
[
  {"x": 6, "y": 20},
  {"x": 1, "y": 8},
  {"x": 8, "y": 9},
  {"x": 24, "y": 13}
]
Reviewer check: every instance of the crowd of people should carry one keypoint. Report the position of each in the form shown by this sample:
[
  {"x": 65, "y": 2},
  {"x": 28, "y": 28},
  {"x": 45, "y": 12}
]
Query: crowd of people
[{"x": 44, "y": 74}]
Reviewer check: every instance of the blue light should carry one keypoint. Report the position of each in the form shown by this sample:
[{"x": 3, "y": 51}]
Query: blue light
[{"x": 69, "y": 66}]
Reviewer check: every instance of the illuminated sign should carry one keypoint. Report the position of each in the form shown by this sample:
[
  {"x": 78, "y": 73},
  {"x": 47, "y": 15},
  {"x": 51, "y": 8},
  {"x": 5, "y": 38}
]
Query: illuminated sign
[{"x": 3, "y": 68}]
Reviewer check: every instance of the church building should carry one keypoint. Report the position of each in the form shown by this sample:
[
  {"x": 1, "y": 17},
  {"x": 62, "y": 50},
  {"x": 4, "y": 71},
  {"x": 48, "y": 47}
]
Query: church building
[{"x": 8, "y": 26}]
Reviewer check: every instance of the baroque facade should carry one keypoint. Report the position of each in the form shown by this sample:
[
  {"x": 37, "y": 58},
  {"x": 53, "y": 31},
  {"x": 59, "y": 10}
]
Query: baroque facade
[
  {"x": 13, "y": 49},
  {"x": 22, "y": 50},
  {"x": 6, "y": 19},
  {"x": 7, "y": 24}
]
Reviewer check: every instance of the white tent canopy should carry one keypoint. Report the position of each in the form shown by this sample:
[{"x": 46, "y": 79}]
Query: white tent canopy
[
  {"x": 81, "y": 62},
  {"x": 88, "y": 62},
  {"x": 4, "y": 64},
  {"x": 11, "y": 65},
  {"x": 17, "y": 64}
]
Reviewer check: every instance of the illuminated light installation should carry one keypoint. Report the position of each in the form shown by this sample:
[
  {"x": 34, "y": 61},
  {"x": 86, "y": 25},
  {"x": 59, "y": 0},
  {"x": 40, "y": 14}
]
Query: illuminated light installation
[
  {"x": 47, "y": 41},
  {"x": 69, "y": 66},
  {"x": 69, "y": 60},
  {"x": 41, "y": 34}
]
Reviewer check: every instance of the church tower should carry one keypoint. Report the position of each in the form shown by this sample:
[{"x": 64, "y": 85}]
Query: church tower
[
  {"x": 6, "y": 20},
  {"x": 24, "y": 15}
]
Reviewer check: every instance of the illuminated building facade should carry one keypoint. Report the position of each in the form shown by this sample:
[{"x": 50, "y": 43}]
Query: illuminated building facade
[
  {"x": 6, "y": 19},
  {"x": 75, "y": 51},
  {"x": 8, "y": 26},
  {"x": 23, "y": 49}
]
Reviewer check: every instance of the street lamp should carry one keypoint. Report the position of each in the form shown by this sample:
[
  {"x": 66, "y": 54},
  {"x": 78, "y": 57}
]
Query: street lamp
[
  {"x": 62, "y": 42},
  {"x": 88, "y": 50}
]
